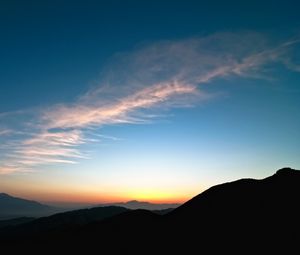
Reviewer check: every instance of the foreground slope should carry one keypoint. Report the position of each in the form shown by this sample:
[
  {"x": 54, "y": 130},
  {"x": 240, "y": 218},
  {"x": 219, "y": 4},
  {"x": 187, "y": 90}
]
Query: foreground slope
[{"x": 248, "y": 212}]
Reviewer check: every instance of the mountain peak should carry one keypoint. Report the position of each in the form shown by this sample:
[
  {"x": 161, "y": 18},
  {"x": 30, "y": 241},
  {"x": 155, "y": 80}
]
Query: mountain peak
[
  {"x": 132, "y": 201},
  {"x": 287, "y": 171},
  {"x": 12, "y": 207},
  {"x": 4, "y": 195}
]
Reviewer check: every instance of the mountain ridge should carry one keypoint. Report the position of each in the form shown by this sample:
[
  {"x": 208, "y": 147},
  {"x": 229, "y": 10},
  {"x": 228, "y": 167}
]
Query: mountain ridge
[
  {"x": 257, "y": 215},
  {"x": 13, "y": 207}
]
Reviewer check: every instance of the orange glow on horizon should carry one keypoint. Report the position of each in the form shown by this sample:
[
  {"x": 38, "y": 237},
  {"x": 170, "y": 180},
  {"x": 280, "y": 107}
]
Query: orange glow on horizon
[
  {"x": 92, "y": 198},
  {"x": 98, "y": 199},
  {"x": 62, "y": 193},
  {"x": 157, "y": 197}
]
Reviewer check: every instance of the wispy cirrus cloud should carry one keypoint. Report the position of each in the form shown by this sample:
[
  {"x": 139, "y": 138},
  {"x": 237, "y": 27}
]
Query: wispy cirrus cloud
[
  {"x": 8, "y": 169},
  {"x": 164, "y": 74},
  {"x": 61, "y": 129},
  {"x": 4, "y": 132},
  {"x": 118, "y": 111}
]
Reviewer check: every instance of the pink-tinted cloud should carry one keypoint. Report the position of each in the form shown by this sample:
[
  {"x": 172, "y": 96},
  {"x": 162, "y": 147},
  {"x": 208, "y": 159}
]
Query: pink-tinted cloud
[
  {"x": 7, "y": 170},
  {"x": 52, "y": 147},
  {"x": 79, "y": 116},
  {"x": 49, "y": 148},
  {"x": 160, "y": 75}
]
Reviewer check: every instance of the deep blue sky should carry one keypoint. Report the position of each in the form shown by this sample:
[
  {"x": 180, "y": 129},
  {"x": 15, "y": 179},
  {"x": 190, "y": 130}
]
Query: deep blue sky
[
  {"x": 51, "y": 45},
  {"x": 55, "y": 55}
]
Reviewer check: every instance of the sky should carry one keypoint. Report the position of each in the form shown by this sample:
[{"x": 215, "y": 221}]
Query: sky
[{"x": 106, "y": 101}]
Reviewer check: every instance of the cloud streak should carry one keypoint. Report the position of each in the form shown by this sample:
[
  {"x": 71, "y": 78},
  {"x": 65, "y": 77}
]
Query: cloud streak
[
  {"x": 4, "y": 132},
  {"x": 165, "y": 74},
  {"x": 80, "y": 116}
]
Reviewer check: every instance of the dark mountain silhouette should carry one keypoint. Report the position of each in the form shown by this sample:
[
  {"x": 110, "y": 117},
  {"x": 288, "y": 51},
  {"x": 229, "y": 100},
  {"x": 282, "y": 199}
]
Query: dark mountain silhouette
[
  {"x": 243, "y": 216},
  {"x": 58, "y": 223},
  {"x": 134, "y": 204},
  {"x": 163, "y": 211},
  {"x": 273, "y": 193},
  {"x": 252, "y": 213},
  {"x": 13, "y": 207},
  {"x": 15, "y": 221}
]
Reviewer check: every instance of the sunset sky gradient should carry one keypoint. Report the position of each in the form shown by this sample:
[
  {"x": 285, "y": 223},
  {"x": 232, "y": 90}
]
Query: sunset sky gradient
[{"x": 117, "y": 100}]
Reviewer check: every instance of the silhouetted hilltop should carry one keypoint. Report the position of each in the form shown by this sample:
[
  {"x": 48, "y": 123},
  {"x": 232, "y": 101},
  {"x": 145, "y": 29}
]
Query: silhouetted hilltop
[
  {"x": 246, "y": 215},
  {"x": 286, "y": 172},
  {"x": 267, "y": 194},
  {"x": 253, "y": 213}
]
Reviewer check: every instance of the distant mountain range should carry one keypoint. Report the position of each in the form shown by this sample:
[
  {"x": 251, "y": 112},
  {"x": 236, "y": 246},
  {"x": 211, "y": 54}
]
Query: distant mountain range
[
  {"x": 134, "y": 204},
  {"x": 12, "y": 207},
  {"x": 244, "y": 216}
]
